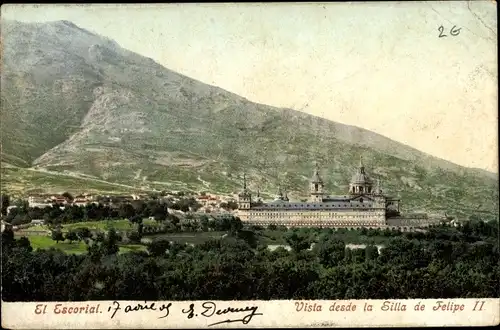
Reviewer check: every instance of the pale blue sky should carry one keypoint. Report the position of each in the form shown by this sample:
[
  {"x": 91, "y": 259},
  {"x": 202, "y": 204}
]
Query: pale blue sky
[{"x": 380, "y": 66}]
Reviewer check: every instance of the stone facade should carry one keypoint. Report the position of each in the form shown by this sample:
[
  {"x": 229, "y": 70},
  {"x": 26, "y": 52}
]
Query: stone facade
[{"x": 365, "y": 205}]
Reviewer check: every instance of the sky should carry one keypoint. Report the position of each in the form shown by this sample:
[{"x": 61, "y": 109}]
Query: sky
[{"x": 379, "y": 66}]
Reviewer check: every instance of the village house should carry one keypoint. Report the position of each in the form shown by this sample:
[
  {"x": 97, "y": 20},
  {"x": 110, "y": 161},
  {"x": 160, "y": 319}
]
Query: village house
[
  {"x": 82, "y": 200},
  {"x": 208, "y": 200},
  {"x": 38, "y": 199},
  {"x": 38, "y": 222}
]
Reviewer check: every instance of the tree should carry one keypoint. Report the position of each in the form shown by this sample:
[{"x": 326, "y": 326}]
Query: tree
[
  {"x": 20, "y": 219},
  {"x": 67, "y": 195},
  {"x": 160, "y": 212},
  {"x": 134, "y": 236},
  {"x": 272, "y": 226},
  {"x": 331, "y": 251},
  {"x": 110, "y": 243},
  {"x": 297, "y": 242},
  {"x": 371, "y": 252},
  {"x": 174, "y": 219},
  {"x": 249, "y": 237},
  {"x": 7, "y": 237},
  {"x": 57, "y": 235},
  {"x": 24, "y": 243},
  {"x": 83, "y": 233},
  {"x": 5, "y": 203},
  {"x": 235, "y": 225},
  {"x": 99, "y": 237},
  {"x": 176, "y": 248},
  {"x": 158, "y": 247},
  {"x": 140, "y": 208},
  {"x": 126, "y": 211},
  {"x": 136, "y": 219},
  {"x": 204, "y": 223},
  {"x": 71, "y": 236}
]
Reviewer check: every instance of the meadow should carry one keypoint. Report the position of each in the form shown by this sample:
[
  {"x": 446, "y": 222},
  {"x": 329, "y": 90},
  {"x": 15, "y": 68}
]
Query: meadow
[{"x": 77, "y": 247}]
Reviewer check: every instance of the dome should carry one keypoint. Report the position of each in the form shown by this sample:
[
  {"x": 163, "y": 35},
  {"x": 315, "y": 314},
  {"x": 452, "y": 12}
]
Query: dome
[{"x": 360, "y": 178}]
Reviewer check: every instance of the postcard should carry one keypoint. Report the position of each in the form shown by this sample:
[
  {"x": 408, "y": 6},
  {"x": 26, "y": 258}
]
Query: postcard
[{"x": 222, "y": 165}]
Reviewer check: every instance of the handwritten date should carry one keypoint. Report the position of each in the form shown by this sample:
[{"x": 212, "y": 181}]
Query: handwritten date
[{"x": 165, "y": 309}]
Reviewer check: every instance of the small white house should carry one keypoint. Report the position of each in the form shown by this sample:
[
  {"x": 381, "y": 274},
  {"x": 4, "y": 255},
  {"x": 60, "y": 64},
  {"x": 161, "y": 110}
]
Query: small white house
[{"x": 38, "y": 222}]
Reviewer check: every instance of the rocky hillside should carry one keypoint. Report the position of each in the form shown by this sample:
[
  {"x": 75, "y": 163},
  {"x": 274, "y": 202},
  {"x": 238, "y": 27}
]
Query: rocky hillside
[{"x": 78, "y": 103}]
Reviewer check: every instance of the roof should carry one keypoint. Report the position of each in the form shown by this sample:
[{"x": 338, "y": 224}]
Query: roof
[
  {"x": 336, "y": 198},
  {"x": 244, "y": 193},
  {"x": 316, "y": 178},
  {"x": 332, "y": 205},
  {"x": 360, "y": 176}
]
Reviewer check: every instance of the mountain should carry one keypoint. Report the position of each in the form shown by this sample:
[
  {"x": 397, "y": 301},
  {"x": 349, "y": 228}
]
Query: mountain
[{"x": 77, "y": 103}]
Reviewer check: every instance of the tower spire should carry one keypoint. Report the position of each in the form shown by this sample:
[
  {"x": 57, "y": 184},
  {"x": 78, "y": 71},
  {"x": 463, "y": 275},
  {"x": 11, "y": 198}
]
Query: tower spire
[
  {"x": 244, "y": 181},
  {"x": 316, "y": 178},
  {"x": 361, "y": 165},
  {"x": 378, "y": 191}
]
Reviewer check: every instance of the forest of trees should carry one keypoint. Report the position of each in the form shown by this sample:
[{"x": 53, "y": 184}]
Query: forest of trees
[{"x": 443, "y": 262}]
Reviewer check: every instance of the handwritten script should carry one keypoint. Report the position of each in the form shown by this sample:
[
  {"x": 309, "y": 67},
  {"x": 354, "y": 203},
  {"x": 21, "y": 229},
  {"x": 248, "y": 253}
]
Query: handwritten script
[
  {"x": 206, "y": 309},
  {"x": 209, "y": 309},
  {"x": 453, "y": 31},
  {"x": 165, "y": 309}
]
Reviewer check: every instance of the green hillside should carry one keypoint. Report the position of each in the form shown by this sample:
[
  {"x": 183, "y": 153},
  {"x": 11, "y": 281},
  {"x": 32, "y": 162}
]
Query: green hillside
[{"x": 19, "y": 182}]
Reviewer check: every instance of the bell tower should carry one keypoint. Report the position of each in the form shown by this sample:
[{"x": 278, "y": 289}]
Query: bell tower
[
  {"x": 244, "y": 197},
  {"x": 316, "y": 186}
]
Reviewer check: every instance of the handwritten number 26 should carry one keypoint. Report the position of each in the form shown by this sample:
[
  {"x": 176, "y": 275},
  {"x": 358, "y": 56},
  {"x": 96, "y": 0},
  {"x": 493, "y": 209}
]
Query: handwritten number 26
[{"x": 453, "y": 31}]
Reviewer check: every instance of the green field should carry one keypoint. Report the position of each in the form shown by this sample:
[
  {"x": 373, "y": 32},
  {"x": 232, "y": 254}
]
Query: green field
[
  {"x": 100, "y": 225},
  {"x": 46, "y": 242},
  {"x": 121, "y": 225}
]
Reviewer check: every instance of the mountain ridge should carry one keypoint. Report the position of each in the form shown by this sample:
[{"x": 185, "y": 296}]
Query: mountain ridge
[{"x": 97, "y": 109}]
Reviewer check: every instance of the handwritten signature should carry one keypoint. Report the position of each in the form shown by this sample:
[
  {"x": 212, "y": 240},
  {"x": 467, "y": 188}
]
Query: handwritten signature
[{"x": 210, "y": 308}]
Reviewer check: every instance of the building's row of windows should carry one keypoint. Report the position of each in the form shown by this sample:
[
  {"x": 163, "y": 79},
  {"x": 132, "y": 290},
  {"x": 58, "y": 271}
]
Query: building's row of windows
[
  {"x": 286, "y": 214},
  {"x": 326, "y": 223},
  {"x": 312, "y": 216},
  {"x": 316, "y": 206}
]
